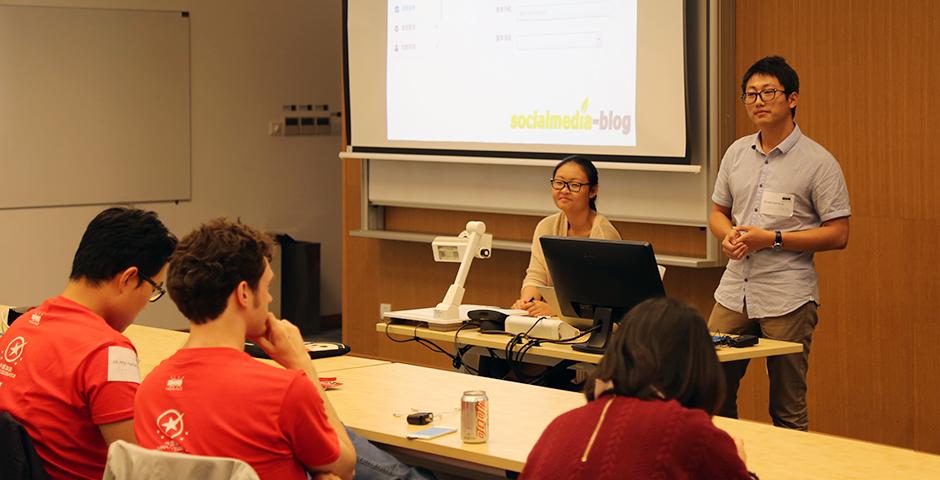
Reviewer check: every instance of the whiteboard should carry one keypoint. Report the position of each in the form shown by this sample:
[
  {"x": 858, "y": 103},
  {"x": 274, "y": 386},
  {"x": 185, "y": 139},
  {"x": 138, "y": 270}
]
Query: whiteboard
[{"x": 94, "y": 106}]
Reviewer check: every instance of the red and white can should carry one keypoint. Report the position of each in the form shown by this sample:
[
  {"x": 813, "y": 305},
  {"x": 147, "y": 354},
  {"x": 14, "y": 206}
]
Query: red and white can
[{"x": 474, "y": 417}]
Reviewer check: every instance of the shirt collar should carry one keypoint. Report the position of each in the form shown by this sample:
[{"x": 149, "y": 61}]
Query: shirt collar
[{"x": 786, "y": 145}]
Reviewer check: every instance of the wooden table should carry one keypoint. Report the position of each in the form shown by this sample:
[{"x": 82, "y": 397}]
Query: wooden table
[
  {"x": 370, "y": 397},
  {"x": 156, "y": 344},
  {"x": 374, "y": 390},
  {"x": 519, "y": 413},
  {"x": 472, "y": 336},
  {"x": 794, "y": 455}
]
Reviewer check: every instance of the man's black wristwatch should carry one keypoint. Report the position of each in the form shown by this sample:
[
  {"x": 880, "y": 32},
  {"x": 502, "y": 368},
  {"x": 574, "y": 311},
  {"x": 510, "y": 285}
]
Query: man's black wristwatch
[{"x": 778, "y": 240}]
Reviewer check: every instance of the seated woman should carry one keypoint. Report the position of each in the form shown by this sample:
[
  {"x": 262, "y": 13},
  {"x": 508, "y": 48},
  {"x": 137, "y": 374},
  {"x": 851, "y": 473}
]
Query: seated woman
[
  {"x": 649, "y": 409},
  {"x": 574, "y": 190}
]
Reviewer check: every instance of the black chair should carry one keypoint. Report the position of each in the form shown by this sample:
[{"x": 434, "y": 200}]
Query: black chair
[
  {"x": 10, "y": 314},
  {"x": 18, "y": 458}
]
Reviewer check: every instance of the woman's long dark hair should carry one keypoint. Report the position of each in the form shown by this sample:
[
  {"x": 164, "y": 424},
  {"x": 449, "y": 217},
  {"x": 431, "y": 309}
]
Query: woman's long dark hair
[
  {"x": 663, "y": 350},
  {"x": 589, "y": 169}
]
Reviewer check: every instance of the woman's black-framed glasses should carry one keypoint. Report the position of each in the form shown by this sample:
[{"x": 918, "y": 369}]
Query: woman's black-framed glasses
[
  {"x": 573, "y": 187},
  {"x": 158, "y": 290}
]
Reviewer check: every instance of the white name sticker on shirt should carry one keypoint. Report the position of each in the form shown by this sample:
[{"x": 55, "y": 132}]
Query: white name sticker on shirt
[
  {"x": 777, "y": 204},
  {"x": 122, "y": 365}
]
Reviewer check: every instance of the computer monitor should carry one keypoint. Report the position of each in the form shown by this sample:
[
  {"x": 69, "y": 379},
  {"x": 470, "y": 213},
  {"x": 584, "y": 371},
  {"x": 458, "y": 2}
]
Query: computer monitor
[{"x": 601, "y": 280}]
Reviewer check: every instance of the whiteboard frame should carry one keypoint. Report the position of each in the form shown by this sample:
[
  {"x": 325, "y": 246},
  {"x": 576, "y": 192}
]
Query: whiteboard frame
[{"x": 98, "y": 106}]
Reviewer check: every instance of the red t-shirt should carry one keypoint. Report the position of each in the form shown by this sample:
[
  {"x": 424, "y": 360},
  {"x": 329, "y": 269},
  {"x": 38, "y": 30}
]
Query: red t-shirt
[
  {"x": 636, "y": 439},
  {"x": 221, "y": 402},
  {"x": 63, "y": 372}
]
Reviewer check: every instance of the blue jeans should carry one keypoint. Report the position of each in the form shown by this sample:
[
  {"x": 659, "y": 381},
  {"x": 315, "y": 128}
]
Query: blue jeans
[{"x": 373, "y": 463}]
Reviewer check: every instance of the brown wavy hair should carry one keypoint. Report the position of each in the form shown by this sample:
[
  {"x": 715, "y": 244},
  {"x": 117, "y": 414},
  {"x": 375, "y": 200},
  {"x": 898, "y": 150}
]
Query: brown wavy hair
[{"x": 210, "y": 262}]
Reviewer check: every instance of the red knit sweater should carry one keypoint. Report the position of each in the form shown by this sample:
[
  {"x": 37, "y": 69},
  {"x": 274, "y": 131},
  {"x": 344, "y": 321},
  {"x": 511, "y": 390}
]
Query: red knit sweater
[{"x": 636, "y": 439}]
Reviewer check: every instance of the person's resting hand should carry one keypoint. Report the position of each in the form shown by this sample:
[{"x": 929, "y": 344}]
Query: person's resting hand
[
  {"x": 755, "y": 238},
  {"x": 283, "y": 343},
  {"x": 522, "y": 304},
  {"x": 732, "y": 247},
  {"x": 539, "y": 308},
  {"x": 324, "y": 476}
]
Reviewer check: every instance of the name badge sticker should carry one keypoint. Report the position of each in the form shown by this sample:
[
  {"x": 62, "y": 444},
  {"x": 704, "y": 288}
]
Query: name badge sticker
[
  {"x": 777, "y": 204},
  {"x": 122, "y": 365}
]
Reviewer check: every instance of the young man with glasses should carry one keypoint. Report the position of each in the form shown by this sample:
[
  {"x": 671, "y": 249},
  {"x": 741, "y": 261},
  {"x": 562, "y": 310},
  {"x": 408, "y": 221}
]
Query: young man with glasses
[
  {"x": 779, "y": 197},
  {"x": 67, "y": 374}
]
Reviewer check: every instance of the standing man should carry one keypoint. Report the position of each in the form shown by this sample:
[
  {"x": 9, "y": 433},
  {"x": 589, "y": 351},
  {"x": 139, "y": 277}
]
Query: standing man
[
  {"x": 67, "y": 374},
  {"x": 779, "y": 197}
]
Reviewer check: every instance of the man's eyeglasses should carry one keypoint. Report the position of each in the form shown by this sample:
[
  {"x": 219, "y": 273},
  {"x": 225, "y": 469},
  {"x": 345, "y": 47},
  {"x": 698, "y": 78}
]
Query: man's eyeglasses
[
  {"x": 158, "y": 290},
  {"x": 573, "y": 187},
  {"x": 765, "y": 95}
]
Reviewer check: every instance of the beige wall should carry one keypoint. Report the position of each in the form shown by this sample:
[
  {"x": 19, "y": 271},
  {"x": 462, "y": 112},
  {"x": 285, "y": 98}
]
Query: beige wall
[{"x": 248, "y": 58}]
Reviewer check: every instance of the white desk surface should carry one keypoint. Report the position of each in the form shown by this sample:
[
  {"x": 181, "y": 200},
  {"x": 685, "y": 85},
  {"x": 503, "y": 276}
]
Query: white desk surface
[
  {"x": 156, "y": 344},
  {"x": 472, "y": 336},
  {"x": 373, "y": 390},
  {"x": 518, "y": 414}
]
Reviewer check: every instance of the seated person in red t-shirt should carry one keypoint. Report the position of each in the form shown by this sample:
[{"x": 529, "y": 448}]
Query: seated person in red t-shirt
[
  {"x": 210, "y": 397},
  {"x": 67, "y": 374},
  {"x": 649, "y": 411}
]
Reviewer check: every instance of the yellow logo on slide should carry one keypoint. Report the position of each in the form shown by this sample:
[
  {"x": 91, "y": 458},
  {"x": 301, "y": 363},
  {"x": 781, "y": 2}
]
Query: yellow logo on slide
[{"x": 579, "y": 120}]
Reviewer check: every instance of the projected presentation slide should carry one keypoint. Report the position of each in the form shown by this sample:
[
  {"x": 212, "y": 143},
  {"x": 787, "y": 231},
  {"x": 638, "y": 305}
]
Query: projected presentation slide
[{"x": 501, "y": 71}]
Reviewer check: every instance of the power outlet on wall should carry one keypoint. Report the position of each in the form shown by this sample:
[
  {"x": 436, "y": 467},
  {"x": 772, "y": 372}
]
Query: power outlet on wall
[{"x": 384, "y": 308}]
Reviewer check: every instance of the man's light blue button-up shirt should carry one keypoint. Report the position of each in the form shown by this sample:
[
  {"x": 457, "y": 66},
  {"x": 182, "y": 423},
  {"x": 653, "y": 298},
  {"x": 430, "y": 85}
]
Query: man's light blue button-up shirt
[{"x": 776, "y": 282}]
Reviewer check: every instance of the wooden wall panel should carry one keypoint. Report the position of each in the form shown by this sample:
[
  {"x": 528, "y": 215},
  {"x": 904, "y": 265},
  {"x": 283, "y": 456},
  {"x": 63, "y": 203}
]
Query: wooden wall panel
[{"x": 867, "y": 71}]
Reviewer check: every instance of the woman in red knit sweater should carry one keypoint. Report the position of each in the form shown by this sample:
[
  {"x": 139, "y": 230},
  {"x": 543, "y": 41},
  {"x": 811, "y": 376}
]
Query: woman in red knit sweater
[{"x": 649, "y": 411}]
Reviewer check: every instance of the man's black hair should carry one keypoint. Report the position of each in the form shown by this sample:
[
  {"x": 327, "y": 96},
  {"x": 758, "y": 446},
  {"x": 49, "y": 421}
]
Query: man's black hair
[
  {"x": 119, "y": 238},
  {"x": 777, "y": 67}
]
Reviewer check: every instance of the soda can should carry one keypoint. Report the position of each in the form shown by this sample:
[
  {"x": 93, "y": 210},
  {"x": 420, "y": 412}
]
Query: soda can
[{"x": 474, "y": 417}]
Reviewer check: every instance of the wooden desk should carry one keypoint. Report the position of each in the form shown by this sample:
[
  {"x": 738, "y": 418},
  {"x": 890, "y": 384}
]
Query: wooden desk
[
  {"x": 764, "y": 348},
  {"x": 374, "y": 390},
  {"x": 343, "y": 362},
  {"x": 518, "y": 414},
  {"x": 156, "y": 344},
  {"x": 789, "y": 454}
]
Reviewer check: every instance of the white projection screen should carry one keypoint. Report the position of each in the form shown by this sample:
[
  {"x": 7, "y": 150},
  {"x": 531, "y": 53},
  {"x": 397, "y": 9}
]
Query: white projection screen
[
  {"x": 528, "y": 79},
  {"x": 684, "y": 79}
]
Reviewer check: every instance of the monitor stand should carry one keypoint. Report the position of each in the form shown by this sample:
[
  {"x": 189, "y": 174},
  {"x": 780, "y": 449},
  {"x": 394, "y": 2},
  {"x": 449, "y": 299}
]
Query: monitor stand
[{"x": 597, "y": 342}]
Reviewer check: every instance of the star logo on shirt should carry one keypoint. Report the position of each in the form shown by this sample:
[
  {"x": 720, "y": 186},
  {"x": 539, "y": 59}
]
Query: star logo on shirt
[
  {"x": 14, "y": 350},
  {"x": 170, "y": 423}
]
